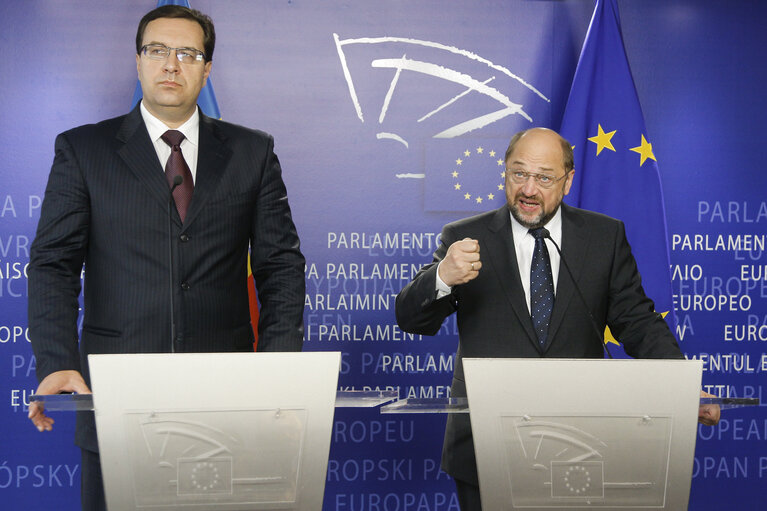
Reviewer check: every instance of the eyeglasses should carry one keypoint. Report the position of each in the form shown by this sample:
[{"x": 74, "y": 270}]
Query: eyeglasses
[
  {"x": 161, "y": 52},
  {"x": 520, "y": 177}
]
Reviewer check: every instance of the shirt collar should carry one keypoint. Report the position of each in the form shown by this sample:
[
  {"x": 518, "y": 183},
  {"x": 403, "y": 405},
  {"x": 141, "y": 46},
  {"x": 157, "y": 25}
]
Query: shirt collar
[
  {"x": 156, "y": 128},
  {"x": 554, "y": 226}
]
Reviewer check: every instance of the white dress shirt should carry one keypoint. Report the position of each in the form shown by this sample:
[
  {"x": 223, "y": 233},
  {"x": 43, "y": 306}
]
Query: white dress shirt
[
  {"x": 524, "y": 245},
  {"x": 189, "y": 146}
]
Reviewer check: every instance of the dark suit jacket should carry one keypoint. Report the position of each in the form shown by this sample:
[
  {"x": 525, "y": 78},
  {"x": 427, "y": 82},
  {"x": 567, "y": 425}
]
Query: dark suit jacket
[
  {"x": 106, "y": 205},
  {"x": 494, "y": 321}
]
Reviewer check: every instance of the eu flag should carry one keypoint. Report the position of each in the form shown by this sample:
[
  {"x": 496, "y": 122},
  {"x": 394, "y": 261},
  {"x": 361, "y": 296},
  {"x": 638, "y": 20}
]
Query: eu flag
[{"x": 616, "y": 172}]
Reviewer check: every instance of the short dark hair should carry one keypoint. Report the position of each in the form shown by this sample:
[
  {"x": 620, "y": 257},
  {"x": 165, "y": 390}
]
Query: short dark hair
[
  {"x": 567, "y": 149},
  {"x": 178, "y": 11}
]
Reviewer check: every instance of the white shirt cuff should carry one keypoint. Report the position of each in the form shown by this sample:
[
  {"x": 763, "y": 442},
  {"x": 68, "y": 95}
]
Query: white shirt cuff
[{"x": 442, "y": 288}]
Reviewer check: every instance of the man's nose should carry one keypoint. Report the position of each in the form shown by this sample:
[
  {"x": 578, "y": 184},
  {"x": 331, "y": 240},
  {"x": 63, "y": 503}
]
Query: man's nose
[
  {"x": 171, "y": 62},
  {"x": 529, "y": 187}
]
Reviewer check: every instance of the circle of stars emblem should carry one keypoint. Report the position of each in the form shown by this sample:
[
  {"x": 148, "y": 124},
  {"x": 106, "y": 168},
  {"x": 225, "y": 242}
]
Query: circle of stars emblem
[
  {"x": 577, "y": 480},
  {"x": 463, "y": 173},
  {"x": 205, "y": 476}
]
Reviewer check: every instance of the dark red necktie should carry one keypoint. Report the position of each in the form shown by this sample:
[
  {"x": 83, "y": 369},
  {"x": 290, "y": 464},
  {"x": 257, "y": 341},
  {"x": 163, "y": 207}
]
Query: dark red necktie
[{"x": 176, "y": 166}]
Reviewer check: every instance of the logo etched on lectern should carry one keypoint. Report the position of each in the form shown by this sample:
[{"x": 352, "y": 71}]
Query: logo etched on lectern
[
  {"x": 223, "y": 457},
  {"x": 571, "y": 461},
  {"x": 213, "y": 475},
  {"x": 577, "y": 479}
]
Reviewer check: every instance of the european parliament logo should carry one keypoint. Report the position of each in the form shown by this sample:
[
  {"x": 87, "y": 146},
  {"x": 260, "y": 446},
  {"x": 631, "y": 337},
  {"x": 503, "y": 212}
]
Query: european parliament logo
[
  {"x": 455, "y": 106},
  {"x": 465, "y": 174},
  {"x": 204, "y": 476},
  {"x": 578, "y": 461},
  {"x": 216, "y": 458},
  {"x": 583, "y": 479}
]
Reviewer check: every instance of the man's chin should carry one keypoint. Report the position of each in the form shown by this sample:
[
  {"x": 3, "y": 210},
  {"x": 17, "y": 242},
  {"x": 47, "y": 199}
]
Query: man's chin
[{"x": 528, "y": 221}]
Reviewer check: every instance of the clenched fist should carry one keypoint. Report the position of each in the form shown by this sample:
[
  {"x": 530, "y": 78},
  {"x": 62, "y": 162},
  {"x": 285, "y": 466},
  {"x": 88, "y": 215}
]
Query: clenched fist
[{"x": 461, "y": 263}]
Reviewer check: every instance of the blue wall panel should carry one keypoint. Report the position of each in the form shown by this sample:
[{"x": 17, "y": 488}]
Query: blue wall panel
[{"x": 365, "y": 174}]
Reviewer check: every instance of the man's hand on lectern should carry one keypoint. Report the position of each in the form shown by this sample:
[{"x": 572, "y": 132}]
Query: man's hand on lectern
[
  {"x": 708, "y": 414},
  {"x": 55, "y": 383}
]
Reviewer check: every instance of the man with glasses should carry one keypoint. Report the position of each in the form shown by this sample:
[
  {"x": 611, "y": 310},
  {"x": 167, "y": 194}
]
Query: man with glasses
[
  {"x": 161, "y": 205},
  {"x": 500, "y": 273}
]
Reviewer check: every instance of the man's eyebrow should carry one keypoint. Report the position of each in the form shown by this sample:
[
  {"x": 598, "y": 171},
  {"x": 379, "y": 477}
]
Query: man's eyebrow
[
  {"x": 168, "y": 46},
  {"x": 545, "y": 169}
]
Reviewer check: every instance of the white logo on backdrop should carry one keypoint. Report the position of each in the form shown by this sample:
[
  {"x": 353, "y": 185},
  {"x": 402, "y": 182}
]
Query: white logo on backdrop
[{"x": 468, "y": 84}]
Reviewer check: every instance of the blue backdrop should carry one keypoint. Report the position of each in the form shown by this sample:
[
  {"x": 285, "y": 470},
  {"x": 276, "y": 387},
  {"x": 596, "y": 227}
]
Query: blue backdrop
[{"x": 372, "y": 105}]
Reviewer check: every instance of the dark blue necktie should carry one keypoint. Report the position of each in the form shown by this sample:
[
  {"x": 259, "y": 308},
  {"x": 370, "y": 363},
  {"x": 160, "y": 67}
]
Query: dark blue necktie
[{"x": 541, "y": 286}]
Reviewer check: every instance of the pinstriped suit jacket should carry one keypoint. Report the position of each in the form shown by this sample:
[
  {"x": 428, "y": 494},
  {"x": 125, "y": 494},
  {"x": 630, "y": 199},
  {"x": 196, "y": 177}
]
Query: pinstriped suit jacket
[
  {"x": 106, "y": 205},
  {"x": 494, "y": 320}
]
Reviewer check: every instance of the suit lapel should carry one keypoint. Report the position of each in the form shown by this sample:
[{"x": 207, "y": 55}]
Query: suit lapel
[
  {"x": 212, "y": 158},
  {"x": 139, "y": 155},
  {"x": 502, "y": 258},
  {"x": 575, "y": 241}
]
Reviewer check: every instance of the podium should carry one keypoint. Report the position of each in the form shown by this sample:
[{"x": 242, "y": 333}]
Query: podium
[
  {"x": 252, "y": 431},
  {"x": 597, "y": 434},
  {"x": 228, "y": 431}
]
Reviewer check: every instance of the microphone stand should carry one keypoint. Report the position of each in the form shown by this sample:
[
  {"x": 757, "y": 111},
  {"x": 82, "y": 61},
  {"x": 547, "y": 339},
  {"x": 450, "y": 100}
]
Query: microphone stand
[
  {"x": 600, "y": 336},
  {"x": 177, "y": 180}
]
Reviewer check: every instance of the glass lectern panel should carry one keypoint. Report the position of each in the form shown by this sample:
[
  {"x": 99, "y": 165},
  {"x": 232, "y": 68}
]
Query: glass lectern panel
[
  {"x": 344, "y": 399},
  {"x": 364, "y": 398},
  {"x": 438, "y": 405},
  {"x": 586, "y": 460},
  {"x": 215, "y": 457}
]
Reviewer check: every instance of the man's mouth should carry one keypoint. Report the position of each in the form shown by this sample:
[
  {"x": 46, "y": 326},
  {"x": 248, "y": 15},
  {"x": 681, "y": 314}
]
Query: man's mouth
[
  {"x": 528, "y": 205},
  {"x": 169, "y": 83}
]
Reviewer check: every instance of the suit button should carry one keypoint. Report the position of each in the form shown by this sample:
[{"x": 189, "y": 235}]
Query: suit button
[
  {"x": 185, "y": 285},
  {"x": 184, "y": 238}
]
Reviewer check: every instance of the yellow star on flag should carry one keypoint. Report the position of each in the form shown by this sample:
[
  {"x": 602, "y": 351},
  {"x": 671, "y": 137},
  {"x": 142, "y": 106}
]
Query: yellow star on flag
[
  {"x": 467, "y": 153},
  {"x": 491, "y": 196},
  {"x": 492, "y": 154},
  {"x": 455, "y": 173},
  {"x": 602, "y": 140},
  {"x": 467, "y": 196},
  {"x": 644, "y": 150},
  {"x": 479, "y": 150},
  {"x": 458, "y": 186},
  {"x": 499, "y": 162},
  {"x": 609, "y": 337},
  {"x": 458, "y": 161},
  {"x": 479, "y": 200}
]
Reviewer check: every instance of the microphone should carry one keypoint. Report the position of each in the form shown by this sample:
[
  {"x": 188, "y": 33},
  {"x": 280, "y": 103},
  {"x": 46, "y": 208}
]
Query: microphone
[
  {"x": 177, "y": 180},
  {"x": 600, "y": 336}
]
